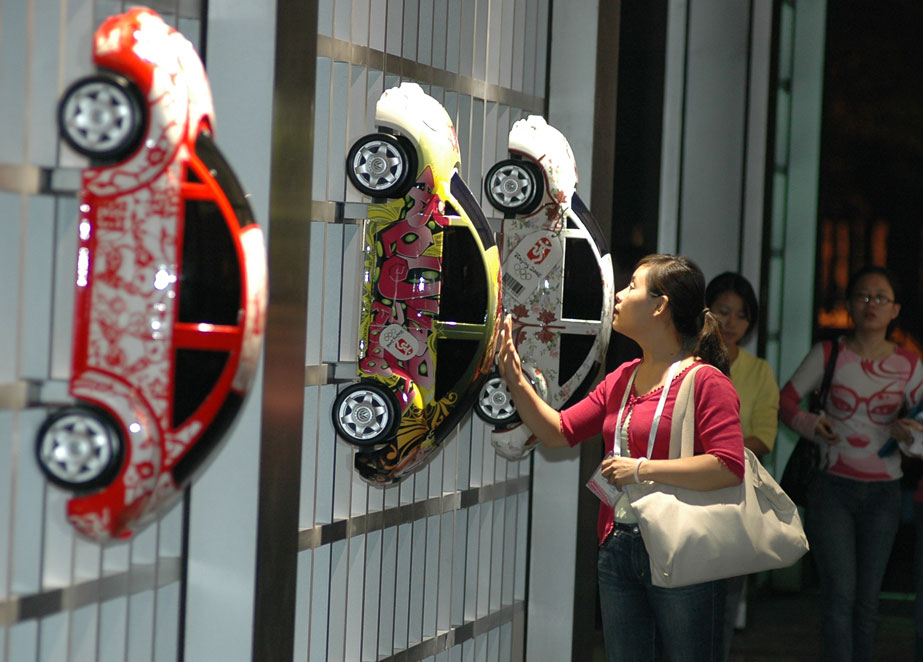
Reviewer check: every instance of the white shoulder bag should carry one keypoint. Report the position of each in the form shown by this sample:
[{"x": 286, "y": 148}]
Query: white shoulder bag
[{"x": 695, "y": 536}]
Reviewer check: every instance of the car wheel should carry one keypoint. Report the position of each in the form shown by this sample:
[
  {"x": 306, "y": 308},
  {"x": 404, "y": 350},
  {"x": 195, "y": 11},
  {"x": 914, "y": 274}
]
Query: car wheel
[
  {"x": 381, "y": 165},
  {"x": 494, "y": 404},
  {"x": 79, "y": 448},
  {"x": 102, "y": 116},
  {"x": 365, "y": 414},
  {"x": 514, "y": 186}
]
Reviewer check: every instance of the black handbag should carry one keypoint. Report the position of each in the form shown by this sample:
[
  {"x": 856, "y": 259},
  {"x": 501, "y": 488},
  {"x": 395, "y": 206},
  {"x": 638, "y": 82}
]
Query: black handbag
[{"x": 807, "y": 458}]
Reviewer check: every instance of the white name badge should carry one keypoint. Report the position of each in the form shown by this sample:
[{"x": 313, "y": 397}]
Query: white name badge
[
  {"x": 529, "y": 263},
  {"x": 398, "y": 342}
]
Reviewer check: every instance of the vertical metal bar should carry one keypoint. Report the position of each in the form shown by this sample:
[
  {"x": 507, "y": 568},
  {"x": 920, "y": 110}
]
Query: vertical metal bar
[
  {"x": 769, "y": 168},
  {"x": 283, "y": 383},
  {"x": 745, "y": 143}
]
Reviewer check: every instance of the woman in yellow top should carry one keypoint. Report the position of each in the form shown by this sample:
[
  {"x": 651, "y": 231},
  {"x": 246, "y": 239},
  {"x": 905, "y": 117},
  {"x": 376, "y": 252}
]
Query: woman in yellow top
[{"x": 732, "y": 300}]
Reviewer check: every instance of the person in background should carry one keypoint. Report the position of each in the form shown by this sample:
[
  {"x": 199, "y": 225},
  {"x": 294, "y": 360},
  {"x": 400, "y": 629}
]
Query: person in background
[
  {"x": 663, "y": 310},
  {"x": 909, "y": 432},
  {"x": 732, "y": 300},
  {"x": 853, "y": 507}
]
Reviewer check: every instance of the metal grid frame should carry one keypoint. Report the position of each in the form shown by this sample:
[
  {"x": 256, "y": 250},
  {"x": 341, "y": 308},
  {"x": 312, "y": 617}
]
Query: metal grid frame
[{"x": 432, "y": 569}]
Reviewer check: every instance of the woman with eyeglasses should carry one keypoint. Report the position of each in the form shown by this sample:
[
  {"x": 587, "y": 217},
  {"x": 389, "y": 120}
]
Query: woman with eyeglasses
[{"x": 853, "y": 507}]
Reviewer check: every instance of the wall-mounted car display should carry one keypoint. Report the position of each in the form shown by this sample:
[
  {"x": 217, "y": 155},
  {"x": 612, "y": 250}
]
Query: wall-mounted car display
[
  {"x": 170, "y": 283},
  {"x": 557, "y": 278},
  {"x": 430, "y": 303}
]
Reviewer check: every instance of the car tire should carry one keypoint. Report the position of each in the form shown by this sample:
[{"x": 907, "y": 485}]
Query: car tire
[
  {"x": 79, "y": 448},
  {"x": 365, "y": 414},
  {"x": 514, "y": 186},
  {"x": 102, "y": 116},
  {"x": 381, "y": 165},
  {"x": 494, "y": 404}
]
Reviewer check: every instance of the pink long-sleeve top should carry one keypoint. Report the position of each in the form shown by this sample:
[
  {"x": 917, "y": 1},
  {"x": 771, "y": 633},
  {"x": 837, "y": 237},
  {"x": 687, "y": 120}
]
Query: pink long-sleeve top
[
  {"x": 717, "y": 421},
  {"x": 865, "y": 397}
]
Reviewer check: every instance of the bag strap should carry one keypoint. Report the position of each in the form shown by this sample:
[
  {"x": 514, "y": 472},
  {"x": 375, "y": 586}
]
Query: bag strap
[
  {"x": 828, "y": 373},
  {"x": 682, "y": 427}
]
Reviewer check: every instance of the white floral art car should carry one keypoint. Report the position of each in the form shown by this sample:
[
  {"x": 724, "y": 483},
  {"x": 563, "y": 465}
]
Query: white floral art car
[{"x": 557, "y": 278}]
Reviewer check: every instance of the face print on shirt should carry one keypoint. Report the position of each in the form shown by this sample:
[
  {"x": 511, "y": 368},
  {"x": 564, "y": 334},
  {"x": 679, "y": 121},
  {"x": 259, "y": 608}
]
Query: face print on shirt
[{"x": 866, "y": 394}]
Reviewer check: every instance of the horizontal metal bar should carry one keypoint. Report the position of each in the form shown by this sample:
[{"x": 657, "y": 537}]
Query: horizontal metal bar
[
  {"x": 343, "y": 51},
  {"x": 330, "y": 211},
  {"x": 330, "y": 373},
  {"x": 27, "y": 393},
  {"x": 317, "y": 375},
  {"x": 34, "y": 180},
  {"x": 17, "y": 395},
  {"x": 448, "y": 640},
  {"x": 138, "y": 578},
  {"x": 19, "y": 178},
  {"x": 324, "y": 534}
]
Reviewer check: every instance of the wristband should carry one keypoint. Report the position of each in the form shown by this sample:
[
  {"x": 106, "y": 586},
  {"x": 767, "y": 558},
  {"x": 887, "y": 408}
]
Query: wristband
[{"x": 637, "y": 467}]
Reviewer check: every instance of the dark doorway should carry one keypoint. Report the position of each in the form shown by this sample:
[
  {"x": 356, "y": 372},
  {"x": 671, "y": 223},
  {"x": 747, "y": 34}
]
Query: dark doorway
[{"x": 871, "y": 183}]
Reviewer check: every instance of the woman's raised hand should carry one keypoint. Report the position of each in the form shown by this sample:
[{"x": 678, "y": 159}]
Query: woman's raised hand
[{"x": 508, "y": 362}]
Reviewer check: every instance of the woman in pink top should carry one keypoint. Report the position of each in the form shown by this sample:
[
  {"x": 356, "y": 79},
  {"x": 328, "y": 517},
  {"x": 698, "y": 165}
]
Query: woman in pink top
[
  {"x": 853, "y": 508},
  {"x": 663, "y": 310}
]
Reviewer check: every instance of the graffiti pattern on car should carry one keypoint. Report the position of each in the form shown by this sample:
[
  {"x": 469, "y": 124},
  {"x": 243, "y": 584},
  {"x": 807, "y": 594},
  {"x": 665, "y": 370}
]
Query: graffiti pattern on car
[{"x": 405, "y": 261}]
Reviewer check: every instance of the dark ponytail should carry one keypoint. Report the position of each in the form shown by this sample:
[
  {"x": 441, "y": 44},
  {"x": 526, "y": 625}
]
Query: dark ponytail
[
  {"x": 710, "y": 345},
  {"x": 683, "y": 282}
]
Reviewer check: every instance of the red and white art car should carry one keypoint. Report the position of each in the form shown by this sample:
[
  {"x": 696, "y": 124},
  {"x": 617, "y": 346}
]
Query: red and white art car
[
  {"x": 557, "y": 278},
  {"x": 170, "y": 283}
]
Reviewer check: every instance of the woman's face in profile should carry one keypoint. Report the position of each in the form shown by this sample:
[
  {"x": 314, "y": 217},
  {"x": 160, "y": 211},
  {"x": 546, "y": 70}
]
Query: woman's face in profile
[{"x": 634, "y": 305}]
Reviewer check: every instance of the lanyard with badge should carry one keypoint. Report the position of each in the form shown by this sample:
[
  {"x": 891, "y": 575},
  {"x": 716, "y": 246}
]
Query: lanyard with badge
[{"x": 598, "y": 484}]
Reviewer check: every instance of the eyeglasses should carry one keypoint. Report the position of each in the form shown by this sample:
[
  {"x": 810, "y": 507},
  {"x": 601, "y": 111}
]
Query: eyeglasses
[{"x": 878, "y": 299}]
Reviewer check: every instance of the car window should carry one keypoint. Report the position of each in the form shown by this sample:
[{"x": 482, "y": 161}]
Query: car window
[
  {"x": 583, "y": 286},
  {"x": 591, "y": 224},
  {"x": 214, "y": 160},
  {"x": 574, "y": 351},
  {"x": 195, "y": 373},
  {"x": 463, "y": 293},
  {"x": 209, "y": 283},
  {"x": 463, "y": 194},
  {"x": 209, "y": 289},
  {"x": 453, "y": 358}
]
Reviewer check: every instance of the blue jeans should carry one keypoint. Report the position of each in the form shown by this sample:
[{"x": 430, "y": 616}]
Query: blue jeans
[
  {"x": 851, "y": 527},
  {"x": 641, "y": 620},
  {"x": 918, "y": 578}
]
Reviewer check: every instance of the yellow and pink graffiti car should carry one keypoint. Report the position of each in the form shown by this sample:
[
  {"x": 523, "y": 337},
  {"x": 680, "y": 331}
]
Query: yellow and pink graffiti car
[{"x": 431, "y": 291}]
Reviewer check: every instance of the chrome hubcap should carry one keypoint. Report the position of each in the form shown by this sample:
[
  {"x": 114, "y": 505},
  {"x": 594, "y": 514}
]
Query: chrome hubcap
[
  {"x": 77, "y": 448},
  {"x": 364, "y": 415},
  {"x": 98, "y": 116},
  {"x": 378, "y": 165},
  {"x": 496, "y": 400},
  {"x": 511, "y": 185}
]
